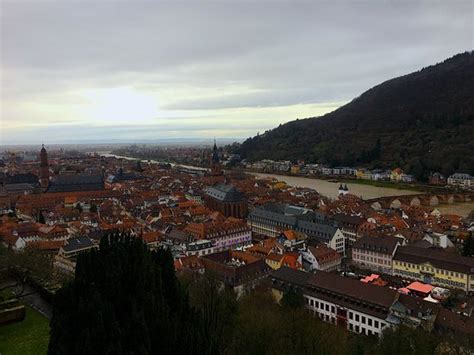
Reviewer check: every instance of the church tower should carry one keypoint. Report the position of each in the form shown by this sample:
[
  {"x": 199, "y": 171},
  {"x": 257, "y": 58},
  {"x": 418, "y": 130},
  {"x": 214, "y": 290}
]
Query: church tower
[
  {"x": 216, "y": 169},
  {"x": 44, "y": 168}
]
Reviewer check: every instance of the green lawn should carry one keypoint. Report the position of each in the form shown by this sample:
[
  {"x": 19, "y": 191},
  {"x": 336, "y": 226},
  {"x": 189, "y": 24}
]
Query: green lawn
[{"x": 31, "y": 336}]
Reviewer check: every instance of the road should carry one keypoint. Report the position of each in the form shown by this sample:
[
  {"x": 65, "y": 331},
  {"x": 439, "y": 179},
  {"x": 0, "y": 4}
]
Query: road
[{"x": 32, "y": 298}]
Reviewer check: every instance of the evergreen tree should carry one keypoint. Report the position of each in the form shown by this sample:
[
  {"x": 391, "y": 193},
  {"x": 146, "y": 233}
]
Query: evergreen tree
[
  {"x": 41, "y": 218},
  {"x": 292, "y": 299},
  {"x": 123, "y": 299},
  {"x": 468, "y": 247}
]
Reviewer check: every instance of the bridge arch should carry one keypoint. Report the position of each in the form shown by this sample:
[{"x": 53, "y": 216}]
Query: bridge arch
[
  {"x": 396, "y": 204},
  {"x": 434, "y": 200},
  {"x": 415, "y": 201},
  {"x": 376, "y": 206}
]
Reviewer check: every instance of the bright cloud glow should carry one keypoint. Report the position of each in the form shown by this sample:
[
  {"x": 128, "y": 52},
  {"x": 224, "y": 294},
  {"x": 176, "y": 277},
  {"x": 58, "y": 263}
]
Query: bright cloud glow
[{"x": 118, "y": 106}]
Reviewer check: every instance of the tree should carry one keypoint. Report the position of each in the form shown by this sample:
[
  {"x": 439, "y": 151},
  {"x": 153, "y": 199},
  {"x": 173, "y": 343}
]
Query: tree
[
  {"x": 404, "y": 340},
  {"x": 468, "y": 247},
  {"x": 18, "y": 268},
  {"x": 123, "y": 299},
  {"x": 41, "y": 218},
  {"x": 292, "y": 299},
  {"x": 217, "y": 309}
]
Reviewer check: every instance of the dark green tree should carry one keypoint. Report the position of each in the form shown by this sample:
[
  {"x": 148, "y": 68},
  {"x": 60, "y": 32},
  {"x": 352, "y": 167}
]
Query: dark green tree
[
  {"x": 124, "y": 299},
  {"x": 292, "y": 299},
  {"x": 404, "y": 340},
  {"x": 468, "y": 247},
  {"x": 41, "y": 218}
]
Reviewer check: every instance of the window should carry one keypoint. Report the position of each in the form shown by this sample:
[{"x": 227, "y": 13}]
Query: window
[
  {"x": 333, "y": 309},
  {"x": 363, "y": 320},
  {"x": 369, "y": 321},
  {"x": 350, "y": 315},
  {"x": 357, "y": 329},
  {"x": 317, "y": 304},
  {"x": 357, "y": 317},
  {"x": 311, "y": 302},
  {"x": 376, "y": 323},
  {"x": 327, "y": 307}
]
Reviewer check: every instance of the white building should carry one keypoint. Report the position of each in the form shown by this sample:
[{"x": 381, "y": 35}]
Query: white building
[
  {"x": 375, "y": 253},
  {"x": 464, "y": 181},
  {"x": 358, "y": 307}
]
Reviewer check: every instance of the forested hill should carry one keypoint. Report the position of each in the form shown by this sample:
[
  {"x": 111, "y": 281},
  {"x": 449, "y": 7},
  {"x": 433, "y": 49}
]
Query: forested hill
[{"x": 421, "y": 122}]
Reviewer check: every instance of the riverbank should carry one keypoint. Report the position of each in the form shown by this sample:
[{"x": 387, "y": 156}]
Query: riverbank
[
  {"x": 330, "y": 188},
  {"x": 417, "y": 187},
  {"x": 397, "y": 185}
]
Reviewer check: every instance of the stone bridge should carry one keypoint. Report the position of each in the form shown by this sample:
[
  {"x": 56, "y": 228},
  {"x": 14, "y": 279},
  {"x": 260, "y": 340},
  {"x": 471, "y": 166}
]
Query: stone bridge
[{"x": 426, "y": 199}]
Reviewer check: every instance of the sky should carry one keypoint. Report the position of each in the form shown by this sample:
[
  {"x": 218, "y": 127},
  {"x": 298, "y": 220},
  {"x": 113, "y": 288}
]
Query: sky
[{"x": 107, "y": 71}]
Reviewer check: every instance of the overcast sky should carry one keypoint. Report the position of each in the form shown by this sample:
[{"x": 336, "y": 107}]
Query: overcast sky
[{"x": 132, "y": 70}]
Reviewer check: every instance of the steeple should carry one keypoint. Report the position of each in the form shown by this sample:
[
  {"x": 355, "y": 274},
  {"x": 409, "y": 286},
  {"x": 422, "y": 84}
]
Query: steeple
[
  {"x": 44, "y": 168},
  {"x": 215, "y": 161},
  {"x": 215, "y": 153}
]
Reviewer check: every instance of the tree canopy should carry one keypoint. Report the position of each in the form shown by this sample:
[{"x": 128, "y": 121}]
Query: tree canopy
[{"x": 124, "y": 299}]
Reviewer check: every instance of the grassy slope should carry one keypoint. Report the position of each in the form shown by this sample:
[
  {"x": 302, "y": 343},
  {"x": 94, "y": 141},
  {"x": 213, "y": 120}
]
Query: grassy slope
[{"x": 31, "y": 336}]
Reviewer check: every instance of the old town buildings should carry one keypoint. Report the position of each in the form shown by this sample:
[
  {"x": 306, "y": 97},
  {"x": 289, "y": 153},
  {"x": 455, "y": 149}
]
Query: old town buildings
[
  {"x": 227, "y": 200},
  {"x": 375, "y": 253},
  {"x": 434, "y": 266},
  {"x": 245, "y": 231}
]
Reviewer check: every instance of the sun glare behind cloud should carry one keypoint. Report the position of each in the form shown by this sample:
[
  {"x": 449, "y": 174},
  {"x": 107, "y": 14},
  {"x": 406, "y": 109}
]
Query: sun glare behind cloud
[{"x": 118, "y": 105}]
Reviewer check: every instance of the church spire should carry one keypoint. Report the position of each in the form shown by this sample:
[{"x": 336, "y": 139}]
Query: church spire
[
  {"x": 44, "y": 168},
  {"x": 215, "y": 161}
]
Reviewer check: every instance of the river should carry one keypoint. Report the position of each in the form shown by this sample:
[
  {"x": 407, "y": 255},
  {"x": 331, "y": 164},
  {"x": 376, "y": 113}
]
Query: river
[
  {"x": 330, "y": 189},
  {"x": 109, "y": 155}
]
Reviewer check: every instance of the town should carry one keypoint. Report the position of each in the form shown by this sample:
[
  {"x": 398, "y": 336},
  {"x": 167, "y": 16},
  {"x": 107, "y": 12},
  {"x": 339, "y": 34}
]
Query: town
[
  {"x": 197, "y": 156},
  {"x": 362, "y": 264}
]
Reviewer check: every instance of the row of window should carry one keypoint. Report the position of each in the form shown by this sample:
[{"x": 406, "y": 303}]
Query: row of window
[
  {"x": 361, "y": 330},
  {"x": 353, "y": 328},
  {"x": 366, "y": 320},
  {"x": 436, "y": 280},
  {"x": 369, "y": 252},
  {"x": 320, "y": 305},
  {"x": 372, "y": 259},
  {"x": 449, "y": 282},
  {"x": 430, "y": 269}
]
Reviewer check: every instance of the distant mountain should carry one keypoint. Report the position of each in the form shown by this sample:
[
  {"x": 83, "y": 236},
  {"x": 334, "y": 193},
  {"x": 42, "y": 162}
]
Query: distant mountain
[{"x": 421, "y": 122}]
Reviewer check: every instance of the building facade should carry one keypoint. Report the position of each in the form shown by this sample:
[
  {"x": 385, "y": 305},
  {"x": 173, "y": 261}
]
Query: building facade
[
  {"x": 321, "y": 258},
  {"x": 274, "y": 218},
  {"x": 347, "y": 303},
  {"x": 227, "y": 200},
  {"x": 464, "y": 181},
  {"x": 375, "y": 253},
  {"x": 434, "y": 266}
]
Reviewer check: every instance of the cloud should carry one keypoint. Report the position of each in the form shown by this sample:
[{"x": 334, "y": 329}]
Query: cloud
[{"x": 213, "y": 59}]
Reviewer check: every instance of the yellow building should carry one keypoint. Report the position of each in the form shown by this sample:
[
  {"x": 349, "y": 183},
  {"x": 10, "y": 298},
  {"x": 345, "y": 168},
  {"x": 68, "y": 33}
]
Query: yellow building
[
  {"x": 396, "y": 174},
  {"x": 295, "y": 169},
  {"x": 360, "y": 173},
  {"x": 279, "y": 185},
  {"x": 434, "y": 266},
  {"x": 274, "y": 260},
  {"x": 364, "y": 174}
]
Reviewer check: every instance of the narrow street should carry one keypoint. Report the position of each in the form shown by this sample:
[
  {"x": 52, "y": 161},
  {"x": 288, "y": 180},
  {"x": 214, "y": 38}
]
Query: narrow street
[{"x": 32, "y": 298}]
